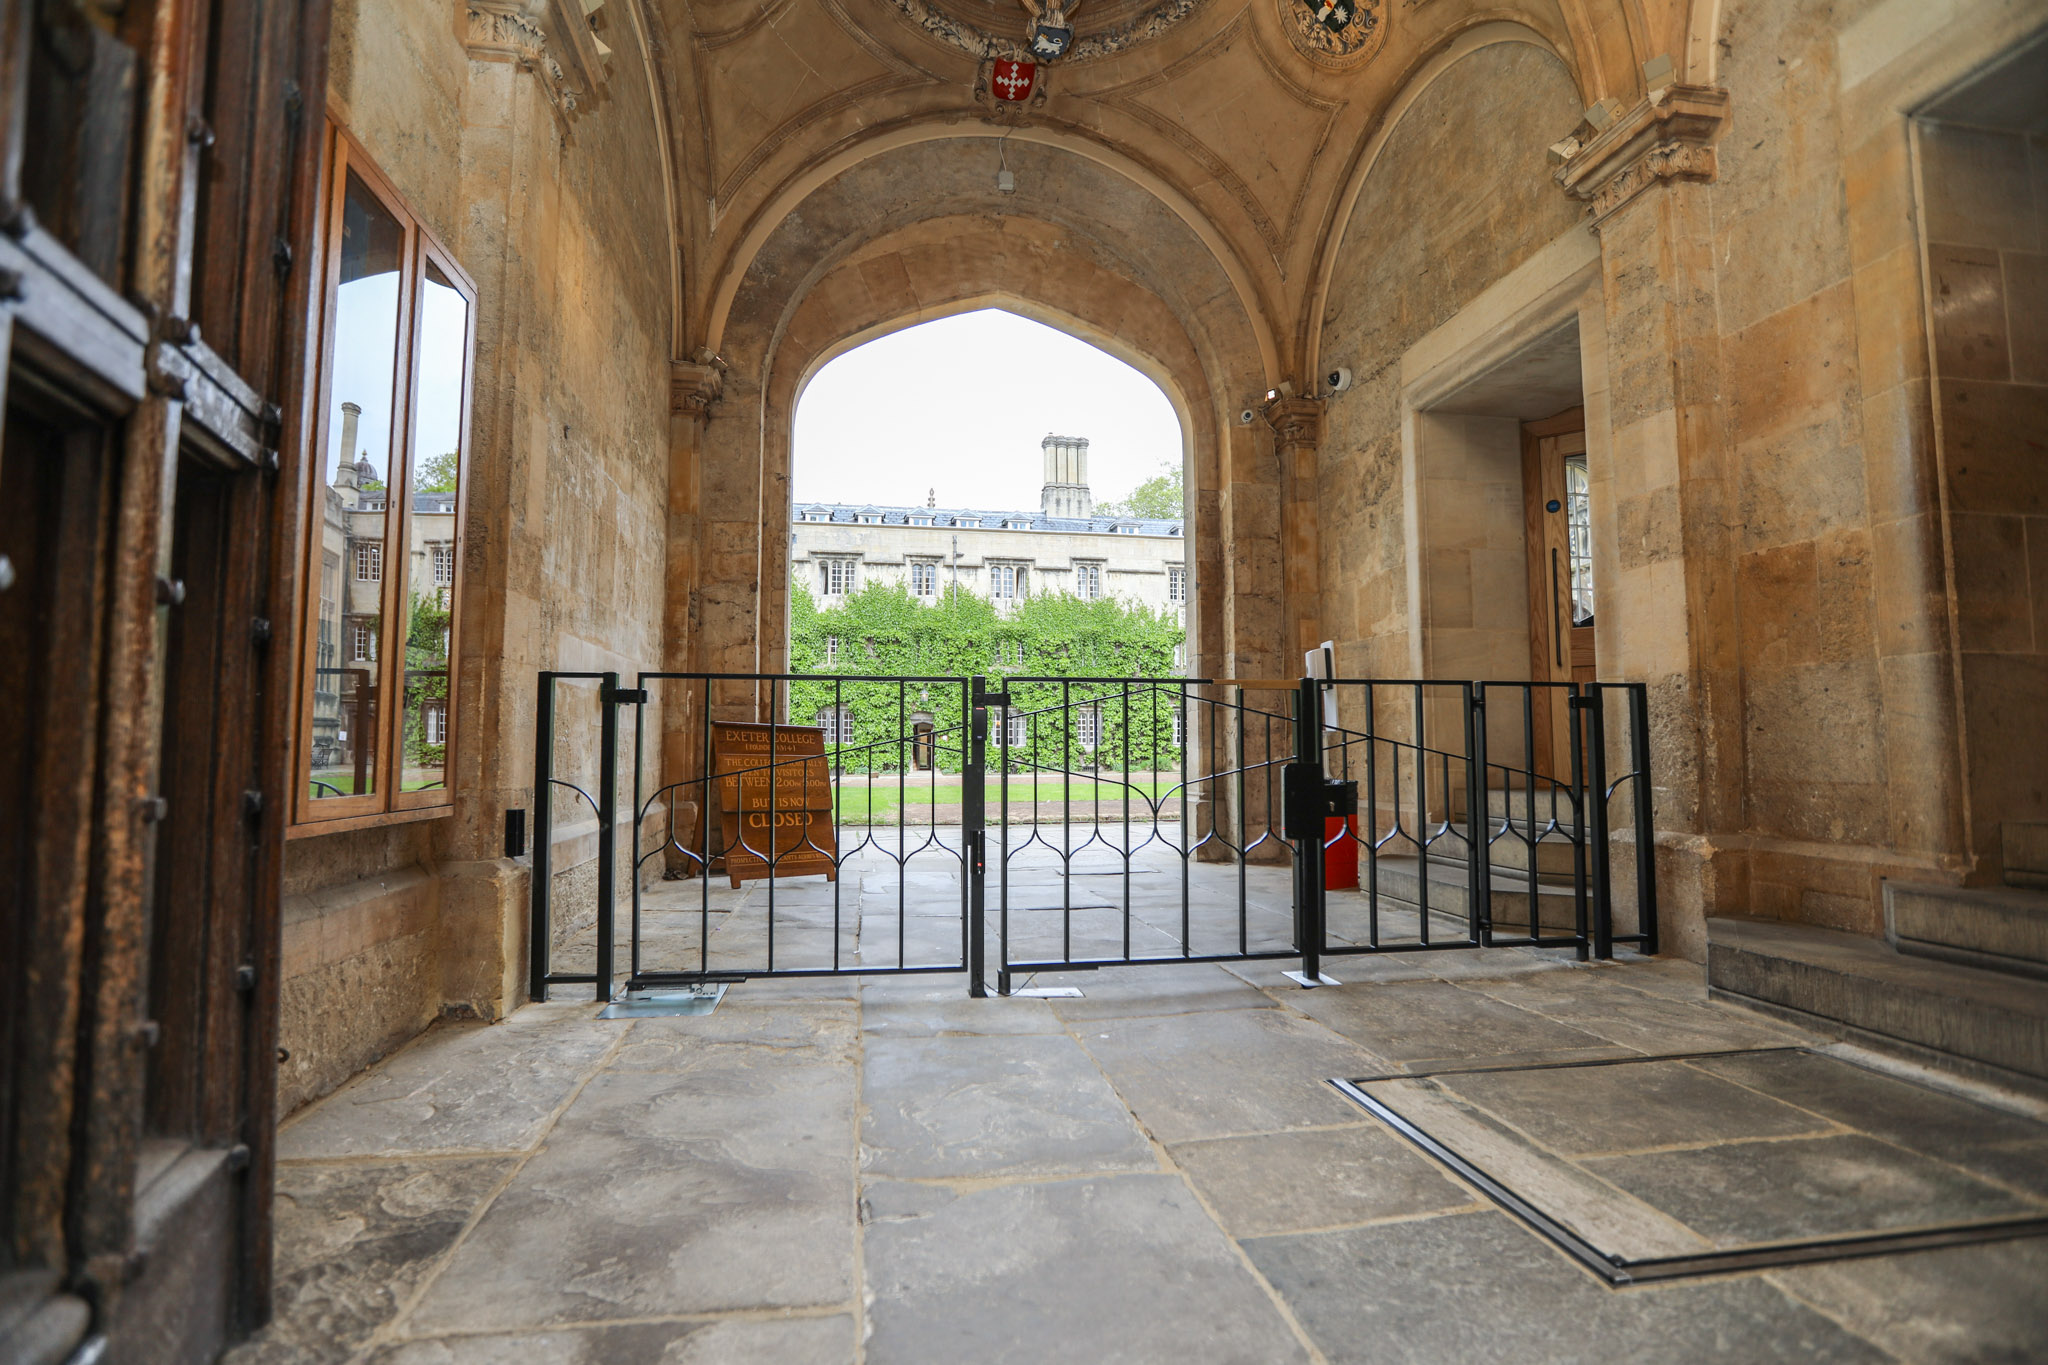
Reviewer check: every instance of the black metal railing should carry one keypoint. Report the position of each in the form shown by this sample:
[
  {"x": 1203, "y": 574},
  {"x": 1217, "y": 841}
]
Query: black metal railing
[{"x": 1132, "y": 821}]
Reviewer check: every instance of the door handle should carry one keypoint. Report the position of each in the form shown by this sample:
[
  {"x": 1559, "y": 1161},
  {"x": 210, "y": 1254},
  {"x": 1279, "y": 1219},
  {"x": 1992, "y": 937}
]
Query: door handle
[{"x": 1556, "y": 619}]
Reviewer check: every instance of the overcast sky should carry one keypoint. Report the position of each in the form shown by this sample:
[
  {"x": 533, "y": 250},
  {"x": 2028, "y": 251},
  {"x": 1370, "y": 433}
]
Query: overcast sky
[{"x": 961, "y": 404}]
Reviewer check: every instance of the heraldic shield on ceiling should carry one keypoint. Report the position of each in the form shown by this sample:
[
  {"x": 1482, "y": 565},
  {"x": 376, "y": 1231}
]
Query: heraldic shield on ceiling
[
  {"x": 1336, "y": 33},
  {"x": 1332, "y": 33}
]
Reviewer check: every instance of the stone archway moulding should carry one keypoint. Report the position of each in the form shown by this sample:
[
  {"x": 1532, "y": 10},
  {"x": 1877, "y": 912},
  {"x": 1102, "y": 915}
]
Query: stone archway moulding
[
  {"x": 1455, "y": 50},
  {"x": 1023, "y": 306},
  {"x": 797, "y": 188}
]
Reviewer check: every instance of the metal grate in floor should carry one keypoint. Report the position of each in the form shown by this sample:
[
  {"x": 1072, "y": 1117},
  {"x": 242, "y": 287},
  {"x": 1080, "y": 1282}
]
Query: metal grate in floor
[{"x": 1655, "y": 1168}]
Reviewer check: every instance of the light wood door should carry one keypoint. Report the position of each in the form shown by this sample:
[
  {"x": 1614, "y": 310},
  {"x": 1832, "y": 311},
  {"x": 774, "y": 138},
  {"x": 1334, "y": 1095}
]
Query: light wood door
[{"x": 1558, "y": 511}]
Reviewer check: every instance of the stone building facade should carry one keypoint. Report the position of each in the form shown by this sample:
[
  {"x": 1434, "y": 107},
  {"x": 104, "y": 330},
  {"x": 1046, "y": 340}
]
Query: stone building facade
[{"x": 1064, "y": 547}]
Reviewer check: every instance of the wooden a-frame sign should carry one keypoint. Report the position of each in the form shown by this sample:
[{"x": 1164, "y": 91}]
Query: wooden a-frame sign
[{"x": 774, "y": 800}]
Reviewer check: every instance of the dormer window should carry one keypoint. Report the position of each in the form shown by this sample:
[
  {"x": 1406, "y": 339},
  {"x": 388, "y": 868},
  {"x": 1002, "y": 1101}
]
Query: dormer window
[
  {"x": 817, "y": 516},
  {"x": 1019, "y": 524},
  {"x": 971, "y": 523},
  {"x": 920, "y": 521},
  {"x": 870, "y": 519}
]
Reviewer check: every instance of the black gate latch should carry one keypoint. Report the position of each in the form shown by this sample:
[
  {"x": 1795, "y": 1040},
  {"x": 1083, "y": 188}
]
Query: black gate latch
[{"x": 1306, "y": 801}]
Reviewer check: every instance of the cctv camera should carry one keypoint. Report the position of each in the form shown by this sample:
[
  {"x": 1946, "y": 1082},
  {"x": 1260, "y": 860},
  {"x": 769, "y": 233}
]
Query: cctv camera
[
  {"x": 1246, "y": 417},
  {"x": 1339, "y": 378}
]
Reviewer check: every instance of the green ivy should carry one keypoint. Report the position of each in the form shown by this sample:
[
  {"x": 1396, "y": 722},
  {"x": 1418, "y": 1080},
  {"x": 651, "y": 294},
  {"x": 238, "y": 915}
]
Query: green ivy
[
  {"x": 882, "y": 631},
  {"x": 425, "y": 651}
]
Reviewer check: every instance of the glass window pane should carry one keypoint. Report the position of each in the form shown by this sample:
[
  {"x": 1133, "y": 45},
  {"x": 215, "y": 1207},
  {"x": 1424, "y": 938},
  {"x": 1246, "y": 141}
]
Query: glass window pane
[
  {"x": 1579, "y": 535},
  {"x": 342, "y": 720},
  {"x": 436, "y": 465}
]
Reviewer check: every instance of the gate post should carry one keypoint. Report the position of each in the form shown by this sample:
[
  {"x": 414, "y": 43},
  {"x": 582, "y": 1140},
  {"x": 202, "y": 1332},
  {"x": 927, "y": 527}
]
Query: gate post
[
  {"x": 974, "y": 832},
  {"x": 1596, "y": 824},
  {"x": 607, "y": 826},
  {"x": 543, "y": 833},
  {"x": 1307, "y": 800}
]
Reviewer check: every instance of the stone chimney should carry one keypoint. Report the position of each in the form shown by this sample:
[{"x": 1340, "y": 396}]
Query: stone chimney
[
  {"x": 1066, "y": 477},
  {"x": 345, "y": 467}
]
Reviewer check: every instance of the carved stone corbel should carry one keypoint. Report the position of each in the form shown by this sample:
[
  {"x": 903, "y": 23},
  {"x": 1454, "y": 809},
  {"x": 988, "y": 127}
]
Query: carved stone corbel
[
  {"x": 551, "y": 38},
  {"x": 694, "y": 389},
  {"x": 1670, "y": 135},
  {"x": 1297, "y": 422}
]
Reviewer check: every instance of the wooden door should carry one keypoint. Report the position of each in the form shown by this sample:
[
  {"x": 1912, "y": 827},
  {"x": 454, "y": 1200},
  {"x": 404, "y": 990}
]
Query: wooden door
[
  {"x": 157, "y": 180},
  {"x": 1558, "y": 518}
]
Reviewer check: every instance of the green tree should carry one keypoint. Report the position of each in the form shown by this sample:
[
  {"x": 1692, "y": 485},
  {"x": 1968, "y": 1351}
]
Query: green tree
[
  {"x": 1159, "y": 498},
  {"x": 438, "y": 473},
  {"x": 1058, "y": 655},
  {"x": 426, "y": 676}
]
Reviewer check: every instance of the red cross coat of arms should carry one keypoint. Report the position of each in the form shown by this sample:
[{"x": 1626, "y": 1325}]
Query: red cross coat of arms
[{"x": 1013, "y": 80}]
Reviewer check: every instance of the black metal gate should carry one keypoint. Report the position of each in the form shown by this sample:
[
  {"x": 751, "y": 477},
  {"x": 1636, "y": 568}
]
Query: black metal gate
[{"x": 1057, "y": 824}]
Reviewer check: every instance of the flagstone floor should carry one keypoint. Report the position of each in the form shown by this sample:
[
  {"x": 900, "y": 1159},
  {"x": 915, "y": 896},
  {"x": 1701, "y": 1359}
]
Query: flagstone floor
[{"x": 1156, "y": 1171}]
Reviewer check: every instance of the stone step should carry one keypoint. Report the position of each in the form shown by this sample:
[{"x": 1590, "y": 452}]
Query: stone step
[
  {"x": 1553, "y": 804},
  {"x": 1511, "y": 849},
  {"x": 1401, "y": 877},
  {"x": 1995, "y": 927},
  {"x": 2025, "y": 853},
  {"x": 1989, "y": 1022}
]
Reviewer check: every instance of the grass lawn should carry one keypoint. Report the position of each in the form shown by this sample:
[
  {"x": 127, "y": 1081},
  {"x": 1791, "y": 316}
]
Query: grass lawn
[{"x": 868, "y": 805}]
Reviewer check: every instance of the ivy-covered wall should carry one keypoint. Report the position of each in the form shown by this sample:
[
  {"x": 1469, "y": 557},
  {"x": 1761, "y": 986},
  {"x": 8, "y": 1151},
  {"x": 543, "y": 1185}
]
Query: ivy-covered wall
[{"x": 1104, "y": 653}]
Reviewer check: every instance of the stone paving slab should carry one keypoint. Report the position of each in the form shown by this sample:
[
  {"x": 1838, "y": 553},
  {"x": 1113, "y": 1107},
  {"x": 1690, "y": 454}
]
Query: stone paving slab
[
  {"x": 729, "y": 1186},
  {"x": 678, "y": 1043},
  {"x": 1479, "y": 1287},
  {"x": 354, "y": 1241},
  {"x": 1645, "y": 1021},
  {"x": 1752, "y": 1192},
  {"x": 2002, "y": 1146},
  {"x": 1579, "y": 1110},
  {"x": 799, "y": 1341},
  {"x": 1599, "y": 1212},
  {"x": 1317, "y": 1178},
  {"x": 1421, "y": 1025},
  {"x": 459, "y": 1087},
  {"x": 1124, "y": 1269},
  {"x": 1225, "y": 1072},
  {"x": 1966, "y": 1303},
  {"x": 1153, "y": 989},
  {"x": 948, "y": 1010},
  {"x": 981, "y": 1107}
]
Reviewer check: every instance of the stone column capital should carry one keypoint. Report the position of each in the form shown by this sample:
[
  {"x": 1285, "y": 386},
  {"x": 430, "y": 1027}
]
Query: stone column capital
[
  {"x": 694, "y": 389},
  {"x": 1297, "y": 422},
  {"x": 543, "y": 37},
  {"x": 1670, "y": 135}
]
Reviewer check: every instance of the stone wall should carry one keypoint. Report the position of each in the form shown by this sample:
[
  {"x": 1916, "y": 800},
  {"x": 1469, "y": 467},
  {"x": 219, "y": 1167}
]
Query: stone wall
[
  {"x": 1809, "y": 533},
  {"x": 561, "y": 221},
  {"x": 1423, "y": 244},
  {"x": 1987, "y": 267}
]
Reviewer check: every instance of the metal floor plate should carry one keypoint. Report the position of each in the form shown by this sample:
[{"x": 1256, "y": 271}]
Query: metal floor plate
[
  {"x": 1656, "y": 1168},
  {"x": 665, "y": 1002}
]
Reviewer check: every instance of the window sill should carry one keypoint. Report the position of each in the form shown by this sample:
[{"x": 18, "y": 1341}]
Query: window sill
[{"x": 310, "y": 828}]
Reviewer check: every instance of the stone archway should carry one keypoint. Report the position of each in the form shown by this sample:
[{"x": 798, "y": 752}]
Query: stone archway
[{"x": 922, "y": 232}]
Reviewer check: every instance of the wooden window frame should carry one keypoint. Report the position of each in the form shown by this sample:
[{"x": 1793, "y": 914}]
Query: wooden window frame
[{"x": 388, "y": 804}]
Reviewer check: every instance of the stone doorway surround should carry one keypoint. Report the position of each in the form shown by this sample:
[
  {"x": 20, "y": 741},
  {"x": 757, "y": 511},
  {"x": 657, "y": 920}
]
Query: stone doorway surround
[{"x": 1529, "y": 346}]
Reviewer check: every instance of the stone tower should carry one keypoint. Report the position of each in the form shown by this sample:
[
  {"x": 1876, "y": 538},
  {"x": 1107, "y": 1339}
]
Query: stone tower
[{"x": 1066, "y": 477}]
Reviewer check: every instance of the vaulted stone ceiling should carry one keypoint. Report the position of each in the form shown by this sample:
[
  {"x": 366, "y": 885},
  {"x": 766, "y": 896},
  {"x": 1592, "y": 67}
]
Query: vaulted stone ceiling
[{"x": 1252, "y": 125}]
